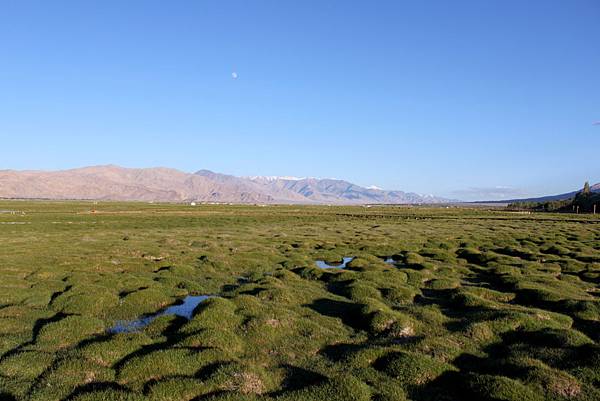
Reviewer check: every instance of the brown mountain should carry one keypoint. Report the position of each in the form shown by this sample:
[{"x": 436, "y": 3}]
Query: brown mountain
[{"x": 170, "y": 185}]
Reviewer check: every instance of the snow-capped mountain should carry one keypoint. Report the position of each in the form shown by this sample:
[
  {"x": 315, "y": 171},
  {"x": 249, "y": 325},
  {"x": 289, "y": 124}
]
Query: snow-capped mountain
[{"x": 170, "y": 185}]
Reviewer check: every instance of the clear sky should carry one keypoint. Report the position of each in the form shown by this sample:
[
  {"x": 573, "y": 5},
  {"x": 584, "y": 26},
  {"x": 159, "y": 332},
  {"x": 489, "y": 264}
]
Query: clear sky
[{"x": 467, "y": 99}]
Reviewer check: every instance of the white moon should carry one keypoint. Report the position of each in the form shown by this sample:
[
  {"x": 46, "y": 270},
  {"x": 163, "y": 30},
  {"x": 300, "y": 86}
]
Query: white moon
[{"x": 234, "y": 75}]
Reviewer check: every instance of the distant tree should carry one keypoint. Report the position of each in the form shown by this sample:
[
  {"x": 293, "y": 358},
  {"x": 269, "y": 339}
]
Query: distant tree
[{"x": 586, "y": 188}]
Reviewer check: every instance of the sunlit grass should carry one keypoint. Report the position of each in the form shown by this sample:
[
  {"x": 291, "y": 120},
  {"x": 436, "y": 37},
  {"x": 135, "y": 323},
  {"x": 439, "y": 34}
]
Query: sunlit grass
[{"x": 437, "y": 304}]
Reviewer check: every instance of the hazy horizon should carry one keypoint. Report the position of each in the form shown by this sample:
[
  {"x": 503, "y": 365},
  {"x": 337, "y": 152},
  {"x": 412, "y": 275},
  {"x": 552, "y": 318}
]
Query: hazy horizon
[{"x": 467, "y": 100}]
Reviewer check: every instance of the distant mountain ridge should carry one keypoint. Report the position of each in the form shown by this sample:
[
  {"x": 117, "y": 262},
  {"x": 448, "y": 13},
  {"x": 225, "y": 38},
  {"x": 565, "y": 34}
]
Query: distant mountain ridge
[
  {"x": 161, "y": 184},
  {"x": 548, "y": 198}
]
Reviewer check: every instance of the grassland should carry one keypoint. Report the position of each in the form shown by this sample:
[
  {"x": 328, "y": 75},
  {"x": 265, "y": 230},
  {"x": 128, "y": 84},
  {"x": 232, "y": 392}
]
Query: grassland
[{"x": 477, "y": 304}]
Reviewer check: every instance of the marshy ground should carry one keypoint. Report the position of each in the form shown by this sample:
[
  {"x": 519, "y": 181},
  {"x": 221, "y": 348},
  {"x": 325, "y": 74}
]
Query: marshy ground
[{"x": 436, "y": 304}]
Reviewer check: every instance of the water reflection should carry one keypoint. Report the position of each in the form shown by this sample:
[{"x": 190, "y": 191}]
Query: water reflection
[
  {"x": 323, "y": 265},
  {"x": 184, "y": 309}
]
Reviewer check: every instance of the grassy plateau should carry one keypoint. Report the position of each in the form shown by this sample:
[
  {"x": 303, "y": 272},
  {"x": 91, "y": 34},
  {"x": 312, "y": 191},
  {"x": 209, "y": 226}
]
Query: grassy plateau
[{"x": 436, "y": 304}]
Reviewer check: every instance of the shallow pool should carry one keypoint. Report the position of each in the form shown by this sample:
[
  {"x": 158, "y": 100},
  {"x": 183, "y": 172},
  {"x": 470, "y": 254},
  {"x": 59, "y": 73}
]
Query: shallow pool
[
  {"x": 184, "y": 309},
  {"x": 323, "y": 265}
]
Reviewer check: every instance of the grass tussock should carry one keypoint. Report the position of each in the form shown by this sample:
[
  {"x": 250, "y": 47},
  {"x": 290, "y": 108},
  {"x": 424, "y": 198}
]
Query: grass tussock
[{"x": 436, "y": 304}]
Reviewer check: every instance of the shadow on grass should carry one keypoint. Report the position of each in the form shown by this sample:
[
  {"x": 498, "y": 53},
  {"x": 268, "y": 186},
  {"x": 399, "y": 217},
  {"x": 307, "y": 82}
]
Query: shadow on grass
[
  {"x": 37, "y": 328},
  {"x": 590, "y": 328},
  {"x": 338, "y": 352},
  {"x": 94, "y": 387},
  {"x": 348, "y": 312},
  {"x": 297, "y": 378},
  {"x": 212, "y": 395},
  {"x": 7, "y": 396},
  {"x": 206, "y": 371},
  {"x": 59, "y": 293}
]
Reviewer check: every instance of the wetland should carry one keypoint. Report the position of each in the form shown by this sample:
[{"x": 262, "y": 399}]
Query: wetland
[{"x": 474, "y": 303}]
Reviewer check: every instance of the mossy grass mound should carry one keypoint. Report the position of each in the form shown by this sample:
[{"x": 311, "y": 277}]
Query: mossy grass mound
[
  {"x": 67, "y": 332},
  {"x": 473, "y": 304}
]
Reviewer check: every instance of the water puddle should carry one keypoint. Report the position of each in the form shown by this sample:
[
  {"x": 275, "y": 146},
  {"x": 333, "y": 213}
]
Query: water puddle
[
  {"x": 390, "y": 260},
  {"x": 184, "y": 309},
  {"x": 323, "y": 265}
]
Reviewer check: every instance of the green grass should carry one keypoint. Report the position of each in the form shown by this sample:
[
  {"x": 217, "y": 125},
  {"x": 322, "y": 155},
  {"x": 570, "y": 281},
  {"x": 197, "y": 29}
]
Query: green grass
[{"x": 478, "y": 304}]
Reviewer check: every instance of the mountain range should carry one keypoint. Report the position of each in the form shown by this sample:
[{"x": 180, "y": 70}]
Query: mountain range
[
  {"x": 547, "y": 198},
  {"x": 161, "y": 184}
]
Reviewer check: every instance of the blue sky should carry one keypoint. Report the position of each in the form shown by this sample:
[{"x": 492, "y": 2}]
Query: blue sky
[{"x": 467, "y": 99}]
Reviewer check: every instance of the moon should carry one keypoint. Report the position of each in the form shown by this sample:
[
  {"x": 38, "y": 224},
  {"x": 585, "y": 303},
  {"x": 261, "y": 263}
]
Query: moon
[{"x": 234, "y": 75}]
